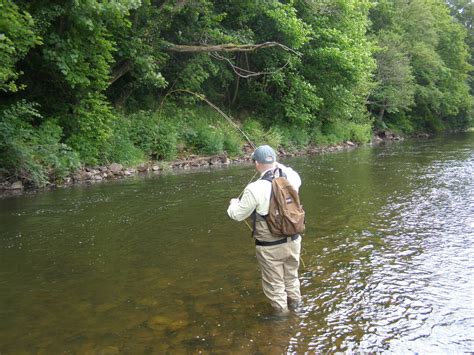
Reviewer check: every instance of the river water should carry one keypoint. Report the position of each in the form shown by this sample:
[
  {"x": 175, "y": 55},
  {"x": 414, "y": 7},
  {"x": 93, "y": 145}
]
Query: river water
[{"x": 153, "y": 265}]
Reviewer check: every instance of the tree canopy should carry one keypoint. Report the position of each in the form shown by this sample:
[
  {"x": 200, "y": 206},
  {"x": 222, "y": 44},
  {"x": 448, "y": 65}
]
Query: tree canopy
[{"x": 83, "y": 82}]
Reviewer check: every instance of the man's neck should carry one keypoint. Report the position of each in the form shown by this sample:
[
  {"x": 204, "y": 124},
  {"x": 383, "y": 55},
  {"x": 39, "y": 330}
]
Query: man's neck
[{"x": 265, "y": 168}]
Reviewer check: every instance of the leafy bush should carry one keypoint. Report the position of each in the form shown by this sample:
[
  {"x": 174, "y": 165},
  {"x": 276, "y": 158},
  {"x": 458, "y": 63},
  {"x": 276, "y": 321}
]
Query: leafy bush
[
  {"x": 297, "y": 137},
  {"x": 155, "y": 135},
  {"x": 121, "y": 147},
  {"x": 92, "y": 128},
  {"x": 360, "y": 132},
  {"x": 255, "y": 131},
  {"x": 33, "y": 154},
  {"x": 205, "y": 131},
  {"x": 275, "y": 136},
  {"x": 203, "y": 137},
  {"x": 232, "y": 142},
  {"x": 57, "y": 159},
  {"x": 338, "y": 131},
  {"x": 400, "y": 123}
]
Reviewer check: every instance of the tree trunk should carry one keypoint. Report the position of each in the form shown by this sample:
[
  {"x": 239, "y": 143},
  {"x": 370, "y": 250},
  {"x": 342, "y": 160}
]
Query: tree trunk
[
  {"x": 380, "y": 118},
  {"x": 120, "y": 71}
]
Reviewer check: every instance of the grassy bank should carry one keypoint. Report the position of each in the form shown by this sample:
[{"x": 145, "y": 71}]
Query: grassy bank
[{"x": 39, "y": 156}]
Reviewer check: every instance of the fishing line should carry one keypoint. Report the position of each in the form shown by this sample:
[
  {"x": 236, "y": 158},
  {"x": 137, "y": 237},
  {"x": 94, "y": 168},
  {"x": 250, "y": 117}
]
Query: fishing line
[
  {"x": 233, "y": 124},
  {"x": 229, "y": 119},
  {"x": 202, "y": 97}
]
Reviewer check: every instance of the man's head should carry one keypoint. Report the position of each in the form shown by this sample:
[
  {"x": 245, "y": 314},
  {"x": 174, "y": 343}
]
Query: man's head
[{"x": 264, "y": 157}]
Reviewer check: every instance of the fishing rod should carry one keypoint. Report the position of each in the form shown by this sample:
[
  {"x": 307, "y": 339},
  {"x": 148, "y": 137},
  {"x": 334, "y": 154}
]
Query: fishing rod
[
  {"x": 202, "y": 97},
  {"x": 233, "y": 124},
  {"x": 227, "y": 117}
]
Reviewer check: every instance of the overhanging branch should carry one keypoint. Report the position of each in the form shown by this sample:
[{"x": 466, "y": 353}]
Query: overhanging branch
[{"x": 229, "y": 47}]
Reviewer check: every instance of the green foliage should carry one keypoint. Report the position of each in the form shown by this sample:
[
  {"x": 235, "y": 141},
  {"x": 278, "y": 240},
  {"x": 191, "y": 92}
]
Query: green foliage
[
  {"x": 156, "y": 136},
  {"x": 93, "y": 118},
  {"x": 360, "y": 132},
  {"x": 301, "y": 102},
  {"x": 338, "y": 61},
  {"x": 395, "y": 88},
  {"x": 275, "y": 136},
  {"x": 339, "y": 131},
  {"x": 82, "y": 49},
  {"x": 100, "y": 69},
  {"x": 34, "y": 154},
  {"x": 204, "y": 138},
  {"x": 16, "y": 39},
  {"x": 401, "y": 124},
  {"x": 233, "y": 140},
  {"x": 295, "y": 137},
  {"x": 425, "y": 41},
  {"x": 254, "y": 129},
  {"x": 121, "y": 147}
]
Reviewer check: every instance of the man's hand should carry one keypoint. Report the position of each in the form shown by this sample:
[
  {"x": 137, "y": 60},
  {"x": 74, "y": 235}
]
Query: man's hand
[{"x": 234, "y": 200}]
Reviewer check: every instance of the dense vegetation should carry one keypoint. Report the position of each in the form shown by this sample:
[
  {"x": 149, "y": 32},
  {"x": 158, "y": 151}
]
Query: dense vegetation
[{"x": 91, "y": 82}]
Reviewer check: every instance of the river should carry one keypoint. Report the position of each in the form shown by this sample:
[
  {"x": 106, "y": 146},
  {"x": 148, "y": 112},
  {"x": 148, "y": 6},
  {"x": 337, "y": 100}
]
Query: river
[{"x": 154, "y": 265}]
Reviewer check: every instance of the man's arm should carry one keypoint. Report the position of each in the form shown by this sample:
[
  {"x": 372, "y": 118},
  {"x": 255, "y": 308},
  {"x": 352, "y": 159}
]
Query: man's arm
[{"x": 240, "y": 209}]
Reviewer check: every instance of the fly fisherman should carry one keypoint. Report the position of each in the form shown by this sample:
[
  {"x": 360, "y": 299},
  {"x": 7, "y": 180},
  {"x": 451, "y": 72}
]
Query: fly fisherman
[{"x": 278, "y": 256}]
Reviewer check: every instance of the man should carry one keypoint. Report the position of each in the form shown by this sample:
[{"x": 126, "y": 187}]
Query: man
[{"x": 278, "y": 257}]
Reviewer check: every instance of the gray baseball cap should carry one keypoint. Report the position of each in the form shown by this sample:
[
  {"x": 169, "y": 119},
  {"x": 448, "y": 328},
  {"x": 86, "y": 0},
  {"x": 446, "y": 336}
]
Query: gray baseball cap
[{"x": 264, "y": 155}]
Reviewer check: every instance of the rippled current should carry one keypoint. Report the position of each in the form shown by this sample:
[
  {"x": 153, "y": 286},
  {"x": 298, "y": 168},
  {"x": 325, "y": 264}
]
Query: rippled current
[{"x": 153, "y": 264}]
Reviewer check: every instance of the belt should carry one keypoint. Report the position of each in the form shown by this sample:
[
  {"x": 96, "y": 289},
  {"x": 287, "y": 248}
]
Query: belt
[{"x": 276, "y": 242}]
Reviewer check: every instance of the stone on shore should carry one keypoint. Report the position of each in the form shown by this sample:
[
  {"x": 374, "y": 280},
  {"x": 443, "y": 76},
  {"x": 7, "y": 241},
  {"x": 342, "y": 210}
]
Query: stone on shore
[
  {"x": 17, "y": 185},
  {"x": 116, "y": 168}
]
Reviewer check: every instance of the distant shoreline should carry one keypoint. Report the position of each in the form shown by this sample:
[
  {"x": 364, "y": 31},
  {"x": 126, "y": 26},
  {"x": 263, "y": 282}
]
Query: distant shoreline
[{"x": 114, "y": 171}]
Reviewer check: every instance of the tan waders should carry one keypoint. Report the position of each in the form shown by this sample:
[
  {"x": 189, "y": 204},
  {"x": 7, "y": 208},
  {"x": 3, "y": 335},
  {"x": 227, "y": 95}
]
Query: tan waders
[{"x": 279, "y": 265}]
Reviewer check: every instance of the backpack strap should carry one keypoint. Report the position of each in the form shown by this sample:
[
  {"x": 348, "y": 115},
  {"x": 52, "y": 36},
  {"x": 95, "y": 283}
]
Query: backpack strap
[{"x": 271, "y": 174}]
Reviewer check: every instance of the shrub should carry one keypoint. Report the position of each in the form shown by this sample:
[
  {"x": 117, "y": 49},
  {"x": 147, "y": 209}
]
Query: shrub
[
  {"x": 232, "y": 142},
  {"x": 275, "y": 137},
  {"x": 203, "y": 137},
  {"x": 338, "y": 131},
  {"x": 92, "y": 127},
  {"x": 255, "y": 131},
  {"x": 155, "y": 135},
  {"x": 400, "y": 123},
  {"x": 360, "y": 132},
  {"x": 293, "y": 137},
  {"x": 30, "y": 153},
  {"x": 121, "y": 148},
  {"x": 56, "y": 158}
]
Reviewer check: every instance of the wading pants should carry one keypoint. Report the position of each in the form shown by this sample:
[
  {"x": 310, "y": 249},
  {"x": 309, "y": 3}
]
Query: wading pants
[{"x": 279, "y": 266}]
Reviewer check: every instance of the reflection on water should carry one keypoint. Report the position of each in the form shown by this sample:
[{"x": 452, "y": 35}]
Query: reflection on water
[{"x": 154, "y": 265}]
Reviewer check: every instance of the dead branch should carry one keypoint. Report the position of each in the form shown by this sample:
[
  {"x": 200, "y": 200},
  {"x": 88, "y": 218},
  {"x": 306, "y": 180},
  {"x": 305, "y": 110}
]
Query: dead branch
[
  {"x": 202, "y": 97},
  {"x": 229, "y": 47},
  {"x": 244, "y": 73}
]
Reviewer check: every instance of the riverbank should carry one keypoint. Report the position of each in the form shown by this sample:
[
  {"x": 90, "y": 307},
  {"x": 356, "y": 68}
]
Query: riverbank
[{"x": 114, "y": 171}]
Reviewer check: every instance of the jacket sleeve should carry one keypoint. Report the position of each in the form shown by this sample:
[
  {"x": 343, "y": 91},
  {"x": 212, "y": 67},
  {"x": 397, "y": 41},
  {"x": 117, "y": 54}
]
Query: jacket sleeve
[{"x": 240, "y": 210}]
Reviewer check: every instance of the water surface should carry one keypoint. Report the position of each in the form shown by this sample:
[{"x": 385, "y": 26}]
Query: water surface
[{"x": 154, "y": 265}]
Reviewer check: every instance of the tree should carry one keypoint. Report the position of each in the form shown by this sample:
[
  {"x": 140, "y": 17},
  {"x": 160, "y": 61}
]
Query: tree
[
  {"x": 338, "y": 61},
  {"x": 395, "y": 88},
  {"x": 434, "y": 44},
  {"x": 16, "y": 39}
]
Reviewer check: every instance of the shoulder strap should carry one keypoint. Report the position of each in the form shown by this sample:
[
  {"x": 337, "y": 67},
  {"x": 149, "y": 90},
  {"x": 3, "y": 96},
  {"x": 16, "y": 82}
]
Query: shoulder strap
[{"x": 271, "y": 174}]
